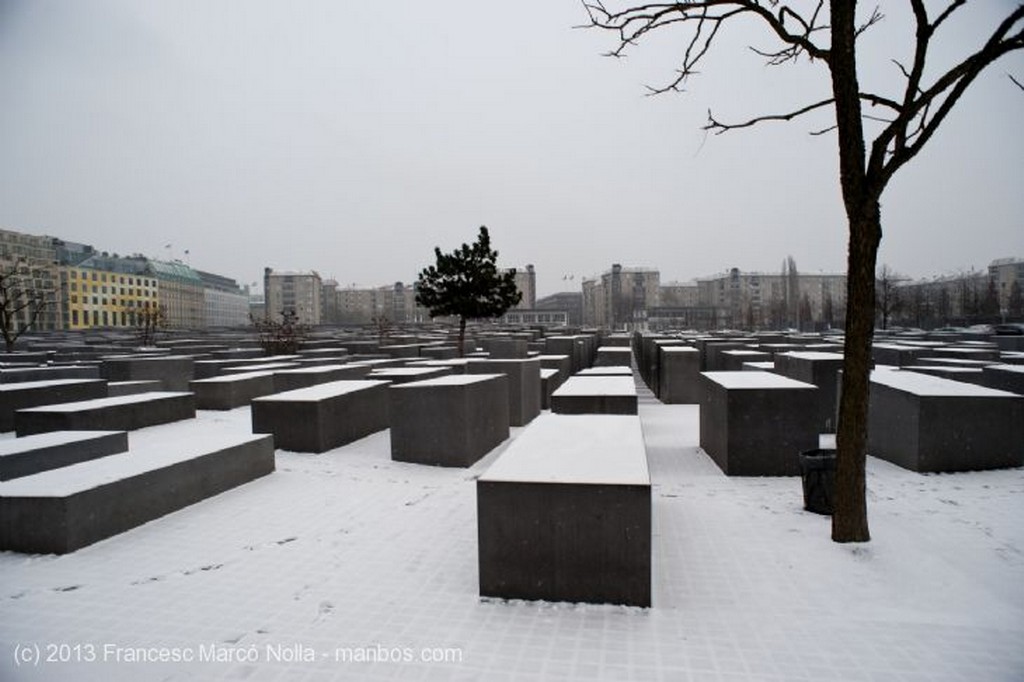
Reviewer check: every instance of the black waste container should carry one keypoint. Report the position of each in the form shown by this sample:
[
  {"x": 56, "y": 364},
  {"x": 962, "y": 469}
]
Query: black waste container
[{"x": 818, "y": 471}]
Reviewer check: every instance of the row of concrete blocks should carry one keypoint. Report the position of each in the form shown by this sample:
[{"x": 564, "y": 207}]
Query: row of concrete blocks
[
  {"x": 450, "y": 420},
  {"x": 757, "y": 423}
]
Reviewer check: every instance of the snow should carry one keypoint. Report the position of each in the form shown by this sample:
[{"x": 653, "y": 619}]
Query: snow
[
  {"x": 1019, "y": 369},
  {"x": 317, "y": 369},
  {"x": 402, "y": 372},
  {"x": 47, "y": 383},
  {"x": 105, "y": 402},
  {"x": 596, "y": 385},
  {"x": 677, "y": 349},
  {"x": 754, "y": 379},
  {"x": 929, "y": 385},
  {"x": 258, "y": 367},
  {"x": 450, "y": 380},
  {"x": 325, "y": 390},
  {"x": 142, "y": 455},
  {"x": 231, "y": 378},
  {"x": 9, "y": 446},
  {"x": 622, "y": 371},
  {"x": 350, "y": 550},
  {"x": 814, "y": 355},
  {"x": 585, "y": 449}
]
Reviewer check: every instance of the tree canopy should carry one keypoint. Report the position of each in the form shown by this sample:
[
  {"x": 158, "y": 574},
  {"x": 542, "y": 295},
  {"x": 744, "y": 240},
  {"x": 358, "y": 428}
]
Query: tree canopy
[{"x": 467, "y": 284}]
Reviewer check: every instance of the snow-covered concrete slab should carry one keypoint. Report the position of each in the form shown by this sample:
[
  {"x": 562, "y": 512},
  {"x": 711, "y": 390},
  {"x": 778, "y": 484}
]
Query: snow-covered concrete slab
[
  {"x": 64, "y": 509},
  {"x": 584, "y": 449},
  {"x": 564, "y": 514}
]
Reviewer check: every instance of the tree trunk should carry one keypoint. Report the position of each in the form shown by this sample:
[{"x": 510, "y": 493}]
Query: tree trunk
[
  {"x": 462, "y": 336},
  {"x": 849, "y": 514}
]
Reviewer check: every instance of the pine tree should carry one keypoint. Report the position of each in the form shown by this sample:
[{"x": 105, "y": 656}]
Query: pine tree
[{"x": 466, "y": 284}]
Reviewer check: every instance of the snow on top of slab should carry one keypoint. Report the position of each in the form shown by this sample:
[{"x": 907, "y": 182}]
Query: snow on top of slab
[
  {"x": 754, "y": 379},
  {"x": 106, "y": 402},
  {"x": 233, "y": 377},
  {"x": 814, "y": 355},
  {"x": 614, "y": 349},
  {"x": 596, "y": 385},
  {"x": 316, "y": 369},
  {"x": 93, "y": 473},
  {"x": 544, "y": 373},
  {"x": 605, "y": 372},
  {"x": 679, "y": 349},
  {"x": 743, "y": 351},
  {"x": 896, "y": 346},
  {"x": 322, "y": 391},
  {"x": 450, "y": 380},
  {"x": 48, "y": 439},
  {"x": 402, "y": 371},
  {"x": 928, "y": 385},
  {"x": 260, "y": 367},
  {"x": 1019, "y": 369},
  {"x": 944, "y": 369},
  {"x": 587, "y": 449},
  {"x": 24, "y": 385}
]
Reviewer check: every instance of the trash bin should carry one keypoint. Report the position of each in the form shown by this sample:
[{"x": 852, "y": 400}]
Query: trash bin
[{"x": 818, "y": 471}]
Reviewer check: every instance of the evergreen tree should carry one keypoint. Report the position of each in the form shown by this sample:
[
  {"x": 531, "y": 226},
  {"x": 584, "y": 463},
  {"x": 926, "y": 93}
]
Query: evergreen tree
[{"x": 466, "y": 284}]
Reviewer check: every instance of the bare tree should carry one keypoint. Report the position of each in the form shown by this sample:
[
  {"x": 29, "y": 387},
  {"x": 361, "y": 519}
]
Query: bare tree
[
  {"x": 22, "y": 301},
  {"x": 280, "y": 338},
  {"x": 149, "y": 320},
  {"x": 909, "y": 118},
  {"x": 887, "y": 297}
]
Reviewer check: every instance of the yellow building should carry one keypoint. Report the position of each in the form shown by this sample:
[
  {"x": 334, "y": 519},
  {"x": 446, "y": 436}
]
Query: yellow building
[{"x": 103, "y": 298}]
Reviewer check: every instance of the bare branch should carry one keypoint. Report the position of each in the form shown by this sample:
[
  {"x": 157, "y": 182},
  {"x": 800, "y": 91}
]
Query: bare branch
[
  {"x": 1015, "y": 81},
  {"x": 916, "y": 123},
  {"x": 718, "y": 127},
  {"x": 706, "y": 17}
]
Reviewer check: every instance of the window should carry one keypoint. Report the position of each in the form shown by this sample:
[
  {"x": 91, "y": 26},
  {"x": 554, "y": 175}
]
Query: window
[
  {"x": 74, "y": 274},
  {"x": 74, "y": 286},
  {"x": 74, "y": 317}
]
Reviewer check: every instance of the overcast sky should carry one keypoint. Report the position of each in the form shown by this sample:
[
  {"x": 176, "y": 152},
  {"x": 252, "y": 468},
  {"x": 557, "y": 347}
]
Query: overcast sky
[{"x": 352, "y": 138}]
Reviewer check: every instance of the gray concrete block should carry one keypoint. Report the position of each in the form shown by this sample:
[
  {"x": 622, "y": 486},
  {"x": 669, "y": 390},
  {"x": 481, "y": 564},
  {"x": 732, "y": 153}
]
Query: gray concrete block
[
  {"x": 230, "y": 391},
  {"x": 505, "y": 348},
  {"x": 404, "y": 375},
  {"x": 565, "y": 514},
  {"x": 1005, "y": 377},
  {"x": 930, "y": 424},
  {"x": 55, "y": 512},
  {"x": 595, "y": 395},
  {"x": 44, "y": 451},
  {"x": 323, "y": 417},
  {"x": 21, "y": 395},
  {"x": 303, "y": 377},
  {"x": 119, "y": 388},
  {"x": 679, "y": 367},
  {"x": 449, "y": 421},
  {"x": 523, "y": 385},
  {"x": 123, "y": 413},
  {"x": 757, "y": 423},
  {"x": 175, "y": 371},
  {"x": 11, "y": 375},
  {"x": 614, "y": 356},
  {"x": 822, "y": 370}
]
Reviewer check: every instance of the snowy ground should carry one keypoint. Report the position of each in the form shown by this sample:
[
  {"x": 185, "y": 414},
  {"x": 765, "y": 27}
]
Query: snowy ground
[{"x": 347, "y": 556}]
